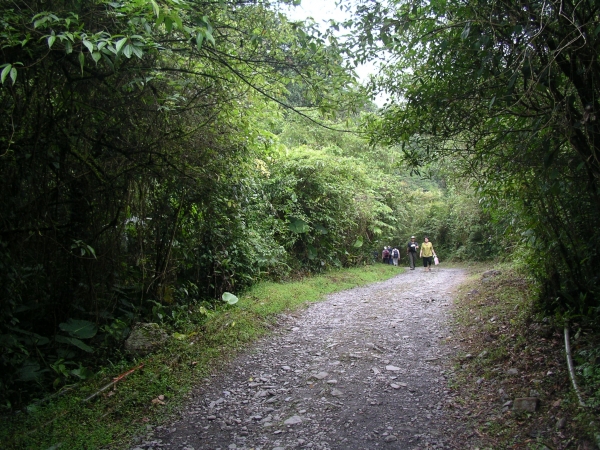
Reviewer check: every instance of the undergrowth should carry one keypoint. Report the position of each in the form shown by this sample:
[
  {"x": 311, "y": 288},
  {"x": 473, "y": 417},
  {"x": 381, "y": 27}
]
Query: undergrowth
[
  {"x": 508, "y": 349},
  {"x": 160, "y": 382}
]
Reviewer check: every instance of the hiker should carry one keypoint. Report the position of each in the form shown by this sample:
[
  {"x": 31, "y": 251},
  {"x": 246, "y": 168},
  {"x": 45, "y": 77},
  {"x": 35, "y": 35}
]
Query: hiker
[
  {"x": 427, "y": 253},
  {"x": 395, "y": 256},
  {"x": 385, "y": 255},
  {"x": 411, "y": 251},
  {"x": 390, "y": 259}
]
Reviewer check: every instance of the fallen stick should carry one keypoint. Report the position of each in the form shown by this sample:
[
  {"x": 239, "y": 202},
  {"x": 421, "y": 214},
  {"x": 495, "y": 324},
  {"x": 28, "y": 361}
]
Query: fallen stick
[
  {"x": 570, "y": 366},
  {"x": 113, "y": 382}
]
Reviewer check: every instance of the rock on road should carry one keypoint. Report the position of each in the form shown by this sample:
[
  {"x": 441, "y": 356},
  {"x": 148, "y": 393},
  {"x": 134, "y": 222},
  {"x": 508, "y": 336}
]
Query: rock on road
[{"x": 363, "y": 369}]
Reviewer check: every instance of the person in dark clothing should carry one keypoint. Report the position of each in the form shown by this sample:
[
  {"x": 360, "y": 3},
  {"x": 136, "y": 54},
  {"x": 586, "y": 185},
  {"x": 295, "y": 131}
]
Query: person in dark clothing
[
  {"x": 385, "y": 255},
  {"x": 411, "y": 251}
]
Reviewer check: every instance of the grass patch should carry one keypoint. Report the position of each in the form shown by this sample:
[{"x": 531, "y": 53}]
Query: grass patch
[
  {"x": 151, "y": 394},
  {"x": 507, "y": 349}
]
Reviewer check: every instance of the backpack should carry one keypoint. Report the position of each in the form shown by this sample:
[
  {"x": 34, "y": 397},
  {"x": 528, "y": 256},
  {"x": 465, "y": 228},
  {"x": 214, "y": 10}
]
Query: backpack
[
  {"x": 386, "y": 253},
  {"x": 395, "y": 253}
]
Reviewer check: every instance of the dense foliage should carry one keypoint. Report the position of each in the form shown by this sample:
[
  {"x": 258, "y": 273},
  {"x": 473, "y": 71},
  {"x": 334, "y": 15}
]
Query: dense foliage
[
  {"x": 131, "y": 166},
  {"x": 507, "y": 94}
]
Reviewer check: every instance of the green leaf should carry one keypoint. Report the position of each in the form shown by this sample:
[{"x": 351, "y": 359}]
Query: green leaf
[
  {"x": 177, "y": 21},
  {"x": 209, "y": 36},
  {"x": 30, "y": 371},
  {"x": 179, "y": 336},
  {"x": 51, "y": 40},
  {"x": 88, "y": 45},
  {"x": 359, "y": 242},
  {"x": 320, "y": 228},
  {"x": 83, "y": 346},
  {"x": 155, "y": 7},
  {"x": 74, "y": 341},
  {"x": 5, "y": 72},
  {"x": 168, "y": 24},
  {"x": 137, "y": 51},
  {"x": 36, "y": 339},
  {"x": 83, "y": 373},
  {"x": 120, "y": 43},
  {"x": 199, "y": 40},
  {"x": 13, "y": 75},
  {"x": 68, "y": 47},
  {"x": 128, "y": 50},
  {"x": 96, "y": 56},
  {"x": 81, "y": 61},
  {"x": 298, "y": 225},
  {"x": 39, "y": 22},
  {"x": 83, "y": 329},
  {"x": 229, "y": 298}
]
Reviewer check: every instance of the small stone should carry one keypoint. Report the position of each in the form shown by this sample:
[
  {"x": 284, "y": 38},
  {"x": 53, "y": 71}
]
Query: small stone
[
  {"x": 529, "y": 404},
  {"x": 480, "y": 380},
  {"x": 321, "y": 375},
  {"x": 391, "y": 438},
  {"x": 483, "y": 354},
  {"x": 286, "y": 368},
  {"x": 331, "y": 381},
  {"x": 392, "y": 368},
  {"x": 376, "y": 371},
  {"x": 395, "y": 386},
  {"x": 336, "y": 393},
  {"x": 561, "y": 423},
  {"x": 294, "y": 420},
  {"x": 512, "y": 371}
]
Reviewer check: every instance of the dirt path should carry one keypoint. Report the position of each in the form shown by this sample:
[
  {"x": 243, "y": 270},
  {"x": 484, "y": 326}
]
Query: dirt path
[{"x": 364, "y": 369}]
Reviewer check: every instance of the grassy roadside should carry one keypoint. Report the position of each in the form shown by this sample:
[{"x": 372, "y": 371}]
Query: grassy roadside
[
  {"x": 151, "y": 393},
  {"x": 506, "y": 350}
]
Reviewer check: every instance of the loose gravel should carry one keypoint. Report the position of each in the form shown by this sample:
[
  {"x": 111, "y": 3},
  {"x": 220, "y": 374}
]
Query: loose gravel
[{"x": 366, "y": 368}]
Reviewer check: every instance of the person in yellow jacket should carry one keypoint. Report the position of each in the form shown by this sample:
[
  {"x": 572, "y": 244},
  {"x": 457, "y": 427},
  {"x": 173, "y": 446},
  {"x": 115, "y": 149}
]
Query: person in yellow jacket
[{"x": 427, "y": 253}]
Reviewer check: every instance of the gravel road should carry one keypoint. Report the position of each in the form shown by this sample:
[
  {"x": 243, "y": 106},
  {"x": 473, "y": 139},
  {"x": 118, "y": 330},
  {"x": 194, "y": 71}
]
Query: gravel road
[{"x": 364, "y": 369}]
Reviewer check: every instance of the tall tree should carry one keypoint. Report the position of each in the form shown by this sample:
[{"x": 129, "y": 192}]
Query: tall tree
[
  {"x": 128, "y": 134},
  {"x": 509, "y": 89}
]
